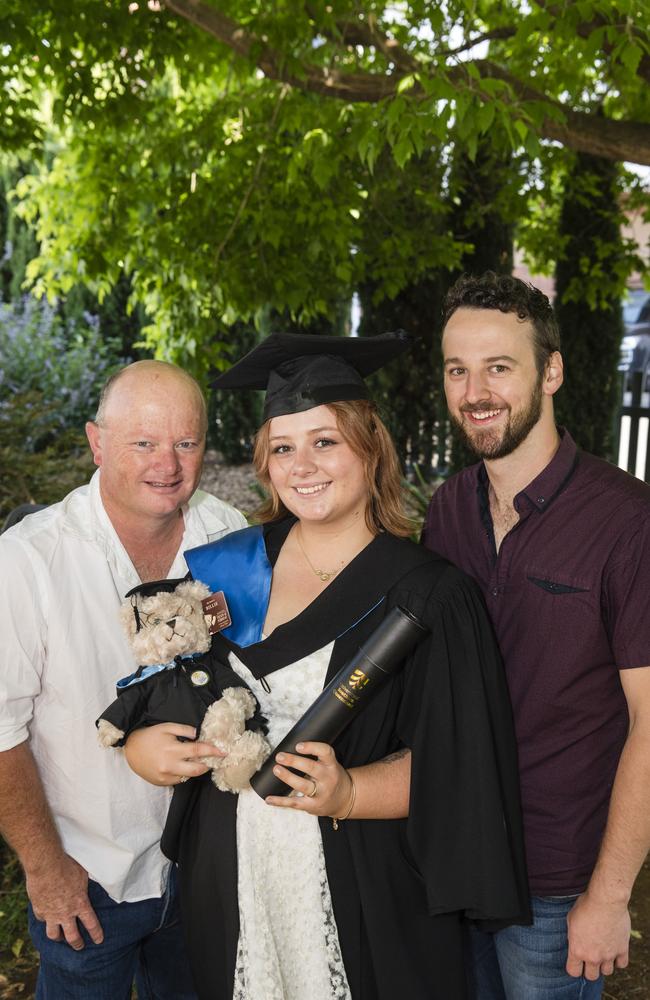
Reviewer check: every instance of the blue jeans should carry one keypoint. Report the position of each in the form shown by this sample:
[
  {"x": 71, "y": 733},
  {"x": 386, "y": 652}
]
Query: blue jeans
[
  {"x": 142, "y": 941},
  {"x": 527, "y": 963}
]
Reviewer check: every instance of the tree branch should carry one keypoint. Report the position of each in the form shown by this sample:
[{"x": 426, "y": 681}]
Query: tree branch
[
  {"x": 389, "y": 47},
  {"x": 488, "y": 36},
  {"x": 613, "y": 139},
  {"x": 367, "y": 35},
  {"x": 356, "y": 87},
  {"x": 584, "y": 132},
  {"x": 251, "y": 187}
]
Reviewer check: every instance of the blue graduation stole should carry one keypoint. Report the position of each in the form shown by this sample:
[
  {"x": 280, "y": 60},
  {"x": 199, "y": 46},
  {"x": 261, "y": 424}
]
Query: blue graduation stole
[{"x": 238, "y": 565}]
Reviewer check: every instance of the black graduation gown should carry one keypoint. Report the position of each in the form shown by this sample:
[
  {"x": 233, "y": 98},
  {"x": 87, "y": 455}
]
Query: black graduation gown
[{"x": 401, "y": 889}]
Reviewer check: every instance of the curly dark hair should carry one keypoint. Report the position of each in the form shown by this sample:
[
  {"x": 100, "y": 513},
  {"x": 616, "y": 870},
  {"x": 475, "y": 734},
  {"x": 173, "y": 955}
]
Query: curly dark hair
[{"x": 508, "y": 294}]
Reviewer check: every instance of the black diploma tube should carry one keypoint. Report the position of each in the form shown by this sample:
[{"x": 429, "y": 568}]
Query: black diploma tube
[{"x": 347, "y": 693}]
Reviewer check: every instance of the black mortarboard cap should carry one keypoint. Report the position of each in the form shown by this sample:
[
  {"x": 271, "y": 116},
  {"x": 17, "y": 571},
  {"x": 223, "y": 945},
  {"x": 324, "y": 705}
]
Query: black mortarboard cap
[
  {"x": 150, "y": 589},
  {"x": 300, "y": 371}
]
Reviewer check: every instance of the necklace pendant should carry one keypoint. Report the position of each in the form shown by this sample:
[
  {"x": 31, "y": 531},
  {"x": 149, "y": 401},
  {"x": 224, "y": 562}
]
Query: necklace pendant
[{"x": 324, "y": 576}]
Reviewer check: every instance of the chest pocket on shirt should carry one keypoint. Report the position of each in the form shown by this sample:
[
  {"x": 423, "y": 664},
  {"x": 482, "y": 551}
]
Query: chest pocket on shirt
[{"x": 555, "y": 587}]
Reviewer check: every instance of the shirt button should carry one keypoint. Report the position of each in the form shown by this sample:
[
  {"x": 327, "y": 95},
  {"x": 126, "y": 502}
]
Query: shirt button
[
  {"x": 495, "y": 592},
  {"x": 540, "y": 500}
]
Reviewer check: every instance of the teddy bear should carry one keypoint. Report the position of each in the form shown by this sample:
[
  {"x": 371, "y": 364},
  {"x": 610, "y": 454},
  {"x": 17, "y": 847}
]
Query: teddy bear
[{"x": 180, "y": 679}]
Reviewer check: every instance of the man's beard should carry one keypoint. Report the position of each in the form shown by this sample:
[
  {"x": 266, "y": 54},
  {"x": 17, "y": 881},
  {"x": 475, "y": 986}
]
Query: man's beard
[{"x": 493, "y": 444}]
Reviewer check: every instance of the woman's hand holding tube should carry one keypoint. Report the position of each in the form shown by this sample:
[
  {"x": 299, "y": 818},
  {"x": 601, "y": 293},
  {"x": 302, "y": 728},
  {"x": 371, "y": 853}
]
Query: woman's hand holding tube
[
  {"x": 158, "y": 756},
  {"x": 326, "y": 788},
  {"x": 381, "y": 789}
]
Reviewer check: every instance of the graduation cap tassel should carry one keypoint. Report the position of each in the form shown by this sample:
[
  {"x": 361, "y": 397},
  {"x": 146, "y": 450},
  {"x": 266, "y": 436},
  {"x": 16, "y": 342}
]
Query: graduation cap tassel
[{"x": 136, "y": 613}]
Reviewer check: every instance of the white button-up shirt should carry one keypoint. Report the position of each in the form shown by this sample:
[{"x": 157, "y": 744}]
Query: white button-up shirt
[{"x": 63, "y": 575}]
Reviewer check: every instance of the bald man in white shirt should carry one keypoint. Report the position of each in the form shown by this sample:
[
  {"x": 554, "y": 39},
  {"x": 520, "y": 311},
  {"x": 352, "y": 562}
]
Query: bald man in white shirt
[{"x": 86, "y": 829}]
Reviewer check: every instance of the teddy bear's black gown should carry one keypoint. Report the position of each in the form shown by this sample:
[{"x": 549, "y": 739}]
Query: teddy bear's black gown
[{"x": 402, "y": 890}]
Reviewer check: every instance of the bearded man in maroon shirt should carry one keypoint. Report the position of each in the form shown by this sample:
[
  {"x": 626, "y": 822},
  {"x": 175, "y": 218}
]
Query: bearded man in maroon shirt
[{"x": 559, "y": 542}]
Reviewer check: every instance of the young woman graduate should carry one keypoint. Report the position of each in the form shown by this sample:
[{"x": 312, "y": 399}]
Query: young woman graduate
[{"x": 281, "y": 902}]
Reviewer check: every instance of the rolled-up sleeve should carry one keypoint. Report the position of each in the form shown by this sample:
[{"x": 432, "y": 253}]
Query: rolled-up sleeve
[{"x": 23, "y": 646}]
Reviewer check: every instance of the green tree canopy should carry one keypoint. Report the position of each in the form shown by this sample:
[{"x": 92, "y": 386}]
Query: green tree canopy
[
  {"x": 234, "y": 156},
  {"x": 549, "y": 64}
]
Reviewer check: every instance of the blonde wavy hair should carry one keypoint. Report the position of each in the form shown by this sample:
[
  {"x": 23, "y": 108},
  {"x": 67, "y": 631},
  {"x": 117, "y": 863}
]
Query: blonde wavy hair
[{"x": 361, "y": 427}]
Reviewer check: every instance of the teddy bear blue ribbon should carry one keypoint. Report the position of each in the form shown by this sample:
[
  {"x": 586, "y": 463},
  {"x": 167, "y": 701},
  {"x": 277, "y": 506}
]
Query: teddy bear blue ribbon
[{"x": 142, "y": 673}]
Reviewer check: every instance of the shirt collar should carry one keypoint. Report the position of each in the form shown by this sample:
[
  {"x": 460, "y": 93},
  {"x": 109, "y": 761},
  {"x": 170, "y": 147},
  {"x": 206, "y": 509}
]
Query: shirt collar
[
  {"x": 107, "y": 538},
  {"x": 482, "y": 483},
  {"x": 202, "y": 518},
  {"x": 541, "y": 492},
  {"x": 104, "y": 534},
  {"x": 552, "y": 480}
]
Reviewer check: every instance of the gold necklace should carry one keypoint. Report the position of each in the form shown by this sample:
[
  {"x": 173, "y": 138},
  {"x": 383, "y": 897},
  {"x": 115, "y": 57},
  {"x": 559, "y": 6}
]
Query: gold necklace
[{"x": 322, "y": 574}]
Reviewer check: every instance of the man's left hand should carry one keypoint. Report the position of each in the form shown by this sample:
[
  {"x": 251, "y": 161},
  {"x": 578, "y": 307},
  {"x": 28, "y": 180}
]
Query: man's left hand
[{"x": 599, "y": 937}]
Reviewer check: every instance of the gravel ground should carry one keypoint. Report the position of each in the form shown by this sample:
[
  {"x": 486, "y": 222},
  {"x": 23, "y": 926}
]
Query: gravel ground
[{"x": 233, "y": 483}]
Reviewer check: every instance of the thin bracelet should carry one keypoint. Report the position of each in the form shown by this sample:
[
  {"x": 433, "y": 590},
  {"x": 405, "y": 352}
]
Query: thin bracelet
[{"x": 339, "y": 819}]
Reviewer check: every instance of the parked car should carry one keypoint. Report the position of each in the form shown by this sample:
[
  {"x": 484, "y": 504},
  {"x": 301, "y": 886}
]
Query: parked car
[
  {"x": 636, "y": 307},
  {"x": 635, "y": 346}
]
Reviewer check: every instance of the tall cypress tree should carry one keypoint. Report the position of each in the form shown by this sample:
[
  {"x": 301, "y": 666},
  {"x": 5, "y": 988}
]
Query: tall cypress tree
[
  {"x": 481, "y": 211},
  {"x": 233, "y": 417},
  {"x": 483, "y": 193},
  {"x": 408, "y": 391},
  {"x": 588, "y": 301}
]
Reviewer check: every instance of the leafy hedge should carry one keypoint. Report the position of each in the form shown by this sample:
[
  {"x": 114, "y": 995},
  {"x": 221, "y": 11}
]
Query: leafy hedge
[{"x": 51, "y": 372}]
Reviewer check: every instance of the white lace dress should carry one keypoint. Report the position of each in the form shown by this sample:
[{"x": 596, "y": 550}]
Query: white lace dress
[{"x": 288, "y": 940}]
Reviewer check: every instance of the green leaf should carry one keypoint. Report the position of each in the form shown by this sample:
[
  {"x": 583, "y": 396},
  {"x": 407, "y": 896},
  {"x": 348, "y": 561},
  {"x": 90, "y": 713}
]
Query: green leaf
[
  {"x": 631, "y": 55},
  {"x": 396, "y": 109},
  {"x": 406, "y": 83},
  {"x": 485, "y": 116},
  {"x": 403, "y": 150},
  {"x": 521, "y": 128}
]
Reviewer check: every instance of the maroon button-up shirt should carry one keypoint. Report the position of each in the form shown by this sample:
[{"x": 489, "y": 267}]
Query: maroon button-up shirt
[{"x": 568, "y": 595}]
